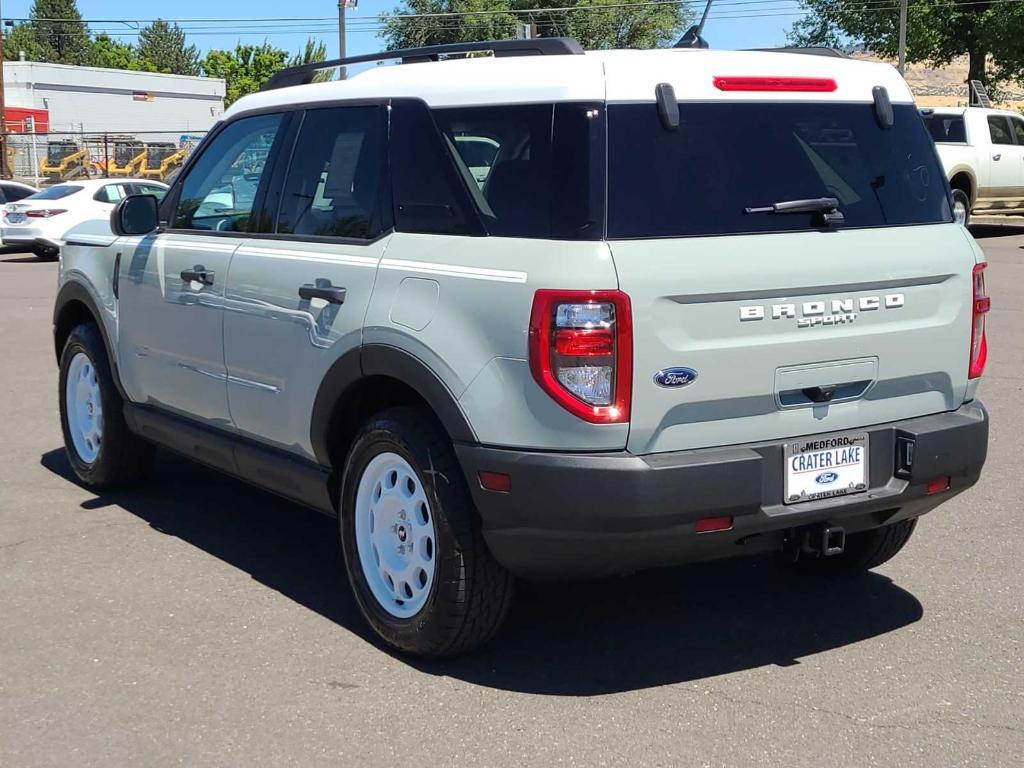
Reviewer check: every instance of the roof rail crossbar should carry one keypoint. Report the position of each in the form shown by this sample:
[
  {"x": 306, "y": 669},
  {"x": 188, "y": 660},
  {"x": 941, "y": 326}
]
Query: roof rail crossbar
[
  {"x": 539, "y": 46},
  {"x": 810, "y": 51}
]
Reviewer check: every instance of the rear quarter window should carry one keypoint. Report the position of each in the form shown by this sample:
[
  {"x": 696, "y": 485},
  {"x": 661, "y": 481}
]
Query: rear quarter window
[{"x": 946, "y": 129}]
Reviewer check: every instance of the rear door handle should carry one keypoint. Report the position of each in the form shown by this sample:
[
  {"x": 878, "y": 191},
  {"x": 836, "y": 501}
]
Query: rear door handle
[
  {"x": 322, "y": 290},
  {"x": 198, "y": 274},
  {"x": 997, "y": 157}
]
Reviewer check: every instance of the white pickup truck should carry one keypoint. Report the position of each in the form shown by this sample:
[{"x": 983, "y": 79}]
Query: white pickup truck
[{"x": 982, "y": 151}]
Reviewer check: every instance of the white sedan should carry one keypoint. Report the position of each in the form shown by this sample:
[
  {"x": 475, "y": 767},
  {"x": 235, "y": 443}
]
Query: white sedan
[{"x": 38, "y": 222}]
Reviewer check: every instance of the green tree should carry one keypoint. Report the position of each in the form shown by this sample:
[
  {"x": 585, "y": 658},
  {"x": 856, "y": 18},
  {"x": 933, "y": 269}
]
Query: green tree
[
  {"x": 244, "y": 69},
  {"x": 617, "y": 26},
  {"x": 162, "y": 48},
  {"x": 937, "y": 32},
  {"x": 112, "y": 54},
  {"x": 54, "y": 32}
]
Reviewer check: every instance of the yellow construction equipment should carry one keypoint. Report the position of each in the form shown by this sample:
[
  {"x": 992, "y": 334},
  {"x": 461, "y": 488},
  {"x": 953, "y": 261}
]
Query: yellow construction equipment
[
  {"x": 127, "y": 159},
  {"x": 64, "y": 160},
  {"x": 162, "y": 159}
]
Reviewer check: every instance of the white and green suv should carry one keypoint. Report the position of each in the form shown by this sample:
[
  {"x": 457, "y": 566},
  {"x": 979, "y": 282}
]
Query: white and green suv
[{"x": 547, "y": 314}]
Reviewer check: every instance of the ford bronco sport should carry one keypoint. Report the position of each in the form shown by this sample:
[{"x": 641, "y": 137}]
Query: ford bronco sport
[{"x": 546, "y": 313}]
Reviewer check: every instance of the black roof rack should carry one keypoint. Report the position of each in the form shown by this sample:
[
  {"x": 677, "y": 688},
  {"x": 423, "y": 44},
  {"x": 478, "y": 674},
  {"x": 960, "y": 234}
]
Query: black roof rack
[
  {"x": 810, "y": 51},
  {"x": 540, "y": 46}
]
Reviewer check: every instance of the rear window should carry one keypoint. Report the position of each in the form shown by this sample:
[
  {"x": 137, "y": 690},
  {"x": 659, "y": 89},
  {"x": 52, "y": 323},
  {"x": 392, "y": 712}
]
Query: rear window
[
  {"x": 726, "y": 157},
  {"x": 948, "y": 129},
  {"x": 55, "y": 193}
]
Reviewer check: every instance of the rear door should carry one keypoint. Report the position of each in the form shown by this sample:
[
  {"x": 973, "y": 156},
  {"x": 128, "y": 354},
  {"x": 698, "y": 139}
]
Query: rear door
[
  {"x": 297, "y": 295},
  {"x": 1005, "y": 171},
  {"x": 780, "y": 324}
]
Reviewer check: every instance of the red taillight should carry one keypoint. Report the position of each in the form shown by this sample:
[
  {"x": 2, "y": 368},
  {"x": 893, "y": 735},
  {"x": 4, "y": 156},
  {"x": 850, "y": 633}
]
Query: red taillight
[
  {"x": 980, "y": 305},
  {"x": 45, "y": 213},
  {"x": 581, "y": 352},
  {"x": 805, "y": 84}
]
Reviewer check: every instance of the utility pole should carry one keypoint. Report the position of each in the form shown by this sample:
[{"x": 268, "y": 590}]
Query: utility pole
[
  {"x": 4, "y": 170},
  {"x": 903, "y": 37},
  {"x": 341, "y": 37}
]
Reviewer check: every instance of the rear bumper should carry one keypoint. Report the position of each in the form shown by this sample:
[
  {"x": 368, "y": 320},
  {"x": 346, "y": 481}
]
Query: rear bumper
[{"x": 576, "y": 515}]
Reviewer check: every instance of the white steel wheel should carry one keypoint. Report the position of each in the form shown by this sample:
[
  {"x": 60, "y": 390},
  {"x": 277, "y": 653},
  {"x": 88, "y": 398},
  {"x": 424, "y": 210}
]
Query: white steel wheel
[
  {"x": 84, "y": 408},
  {"x": 395, "y": 535}
]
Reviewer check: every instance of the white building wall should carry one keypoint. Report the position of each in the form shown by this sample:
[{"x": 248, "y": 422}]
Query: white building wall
[{"x": 92, "y": 100}]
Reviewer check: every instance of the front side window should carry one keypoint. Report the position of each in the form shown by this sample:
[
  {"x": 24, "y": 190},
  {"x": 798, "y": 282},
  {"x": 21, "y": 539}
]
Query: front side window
[
  {"x": 724, "y": 158},
  {"x": 1018, "y": 129},
  {"x": 333, "y": 185},
  {"x": 999, "y": 129},
  {"x": 219, "y": 191},
  {"x": 109, "y": 193},
  {"x": 151, "y": 189}
]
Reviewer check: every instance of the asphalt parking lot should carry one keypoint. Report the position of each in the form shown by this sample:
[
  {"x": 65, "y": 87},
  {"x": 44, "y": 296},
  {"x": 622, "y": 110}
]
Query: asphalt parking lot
[{"x": 197, "y": 621}]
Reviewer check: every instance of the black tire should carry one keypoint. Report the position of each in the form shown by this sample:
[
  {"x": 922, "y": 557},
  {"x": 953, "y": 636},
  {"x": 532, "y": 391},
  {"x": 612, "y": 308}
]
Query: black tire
[
  {"x": 961, "y": 197},
  {"x": 471, "y": 593},
  {"x": 863, "y": 551},
  {"x": 123, "y": 458}
]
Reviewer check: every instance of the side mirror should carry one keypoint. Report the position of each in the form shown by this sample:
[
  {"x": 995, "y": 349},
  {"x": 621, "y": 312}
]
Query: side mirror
[{"x": 135, "y": 215}]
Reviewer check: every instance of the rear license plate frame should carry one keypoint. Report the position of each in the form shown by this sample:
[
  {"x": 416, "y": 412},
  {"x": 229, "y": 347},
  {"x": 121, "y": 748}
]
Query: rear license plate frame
[{"x": 830, "y": 468}]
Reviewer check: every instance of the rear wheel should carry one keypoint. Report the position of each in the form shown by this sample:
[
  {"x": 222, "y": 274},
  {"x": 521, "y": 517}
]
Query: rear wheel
[
  {"x": 961, "y": 207},
  {"x": 419, "y": 568},
  {"x": 863, "y": 551},
  {"x": 102, "y": 451}
]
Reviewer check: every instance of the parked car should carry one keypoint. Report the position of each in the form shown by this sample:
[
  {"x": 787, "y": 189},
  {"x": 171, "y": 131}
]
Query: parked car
[
  {"x": 12, "y": 191},
  {"x": 982, "y": 152},
  {"x": 700, "y": 304},
  {"x": 39, "y": 221}
]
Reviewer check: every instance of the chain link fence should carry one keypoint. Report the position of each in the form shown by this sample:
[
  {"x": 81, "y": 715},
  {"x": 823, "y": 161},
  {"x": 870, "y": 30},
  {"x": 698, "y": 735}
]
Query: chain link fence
[{"x": 43, "y": 159}]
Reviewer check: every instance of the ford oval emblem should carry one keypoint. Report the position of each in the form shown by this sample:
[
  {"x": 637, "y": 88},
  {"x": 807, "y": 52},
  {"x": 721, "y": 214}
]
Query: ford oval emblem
[
  {"x": 675, "y": 377},
  {"x": 826, "y": 477}
]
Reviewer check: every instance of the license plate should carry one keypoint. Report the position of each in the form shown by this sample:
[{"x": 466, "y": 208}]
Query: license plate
[
  {"x": 15, "y": 218},
  {"x": 825, "y": 467}
]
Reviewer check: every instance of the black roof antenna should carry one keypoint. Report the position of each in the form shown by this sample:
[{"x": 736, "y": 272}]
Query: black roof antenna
[{"x": 691, "y": 38}]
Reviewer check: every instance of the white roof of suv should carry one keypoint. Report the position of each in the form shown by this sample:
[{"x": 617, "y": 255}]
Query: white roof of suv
[{"x": 623, "y": 75}]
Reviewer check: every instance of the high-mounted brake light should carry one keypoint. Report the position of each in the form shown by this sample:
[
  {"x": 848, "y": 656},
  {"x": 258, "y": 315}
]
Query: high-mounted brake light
[
  {"x": 804, "y": 84},
  {"x": 581, "y": 352},
  {"x": 980, "y": 305}
]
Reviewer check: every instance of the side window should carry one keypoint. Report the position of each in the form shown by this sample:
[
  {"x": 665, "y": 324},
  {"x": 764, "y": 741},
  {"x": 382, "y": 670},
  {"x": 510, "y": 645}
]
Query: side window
[
  {"x": 151, "y": 189},
  {"x": 220, "y": 190},
  {"x": 109, "y": 193},
  {"x": 431, "y": 195},
  {"x": 12, "y": 193},
  {"x": 4, "y": 198},
  {"x": 333, "y": 185},
  {"x": 999, "y": 129},
  {"x": 538, "y": 167},
  {"x": 1018, "y": 129}
]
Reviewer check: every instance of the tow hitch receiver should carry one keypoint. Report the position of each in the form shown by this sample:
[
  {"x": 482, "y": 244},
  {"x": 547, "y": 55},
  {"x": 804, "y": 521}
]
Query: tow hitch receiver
[{"x": 833, "y": 541}]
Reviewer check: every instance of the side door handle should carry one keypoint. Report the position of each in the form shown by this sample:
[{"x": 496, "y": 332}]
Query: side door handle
[
  {"x": 997, "y": 157},
  {"x": 199, "y": 274},
  {"x": 322, "y": 290}
]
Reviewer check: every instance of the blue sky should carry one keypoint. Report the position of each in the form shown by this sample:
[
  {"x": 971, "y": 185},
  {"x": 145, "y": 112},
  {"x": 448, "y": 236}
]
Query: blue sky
[{"x": 722, "y": 33}]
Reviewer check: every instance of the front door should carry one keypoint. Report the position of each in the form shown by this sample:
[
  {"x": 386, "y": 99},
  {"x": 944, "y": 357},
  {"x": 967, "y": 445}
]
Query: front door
[
  {"x": 171, "y": 285},
  {"x": 297, "y": 296}
]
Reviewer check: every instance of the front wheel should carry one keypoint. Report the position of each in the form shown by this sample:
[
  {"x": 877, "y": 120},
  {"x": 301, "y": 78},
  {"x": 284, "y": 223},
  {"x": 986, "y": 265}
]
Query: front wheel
[
  {"x": 961, "y": 207},
  {"x": 419, "y": 568},
  {"x": 102, "y": 451}
]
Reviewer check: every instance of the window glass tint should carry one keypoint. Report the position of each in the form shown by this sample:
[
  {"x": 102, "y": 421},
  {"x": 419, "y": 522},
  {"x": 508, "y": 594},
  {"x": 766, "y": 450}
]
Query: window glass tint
[
  {"x": 946, "y": 128},
  {"x": 725, "y": 157},
  {"x": 999, "y": 129},
  {"x": 531, "y": 169},
  {"x": 151, "y": 189},
  {"x": 431, "y": 194},
  {"x": 109, "y": 193},
  {"x": 333, "y": 184},
  {"x": 56, "y": 192},
  {"x": 1018, "y": 129},
  {"x": 219, "y": 192}
]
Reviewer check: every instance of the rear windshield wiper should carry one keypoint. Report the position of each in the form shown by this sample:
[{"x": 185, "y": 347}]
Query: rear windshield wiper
[{"x": 827, "y": 207}]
